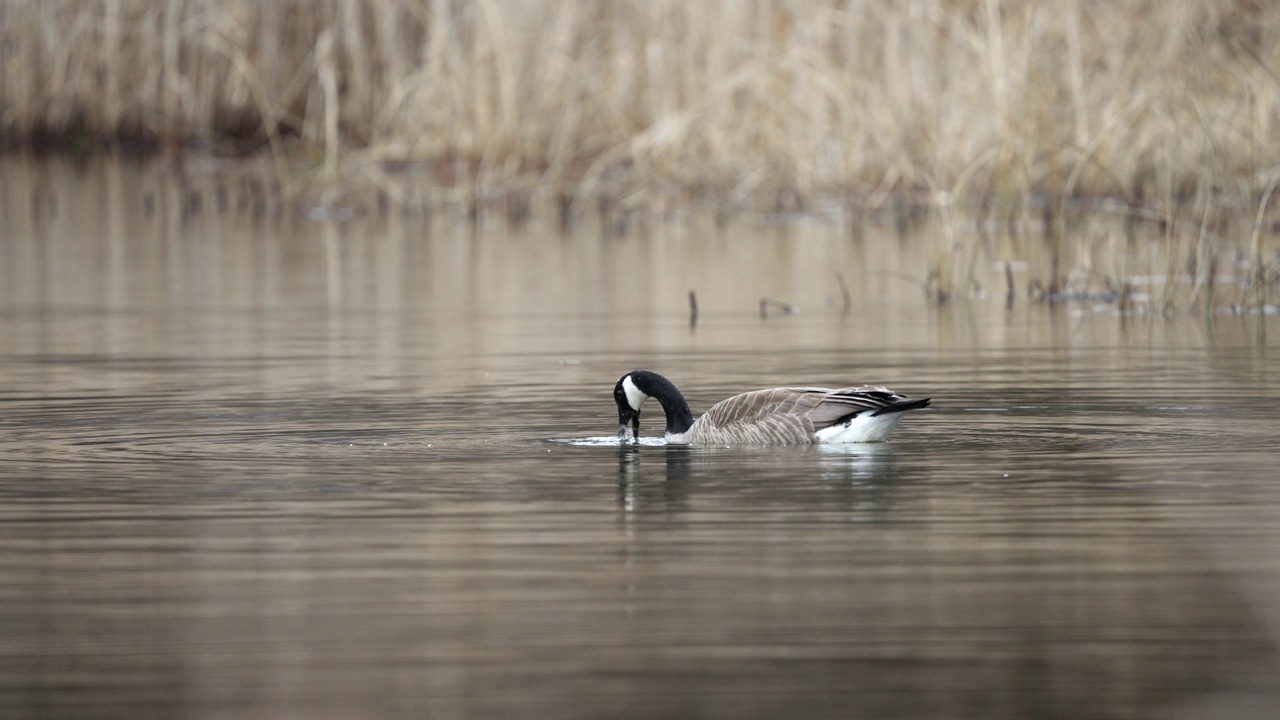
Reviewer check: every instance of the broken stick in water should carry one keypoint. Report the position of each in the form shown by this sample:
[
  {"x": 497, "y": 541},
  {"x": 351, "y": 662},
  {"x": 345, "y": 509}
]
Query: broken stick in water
[{"x": 766, "y": 302}]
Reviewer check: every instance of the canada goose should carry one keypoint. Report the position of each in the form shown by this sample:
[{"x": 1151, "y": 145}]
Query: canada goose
[{"x": 780, "y": 416}]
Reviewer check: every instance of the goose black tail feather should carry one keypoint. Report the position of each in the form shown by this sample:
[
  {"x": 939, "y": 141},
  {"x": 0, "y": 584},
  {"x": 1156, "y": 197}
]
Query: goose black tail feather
[{"x": 903, "y": 406}]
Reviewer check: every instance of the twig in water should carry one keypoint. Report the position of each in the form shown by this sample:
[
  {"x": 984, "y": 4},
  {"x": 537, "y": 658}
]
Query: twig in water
[
  {"x": 693, "y": 309},
  {"x": 786, "y": 308},
  {"x": 1036, "y": 291},
  {"x": 844, "y": 290},
  {"x": 1124, "y": 302},
  {"x": 1258, "y": 273},
  {"x": 934, "y": 290},
  {"x": 1008, "y": 279}
]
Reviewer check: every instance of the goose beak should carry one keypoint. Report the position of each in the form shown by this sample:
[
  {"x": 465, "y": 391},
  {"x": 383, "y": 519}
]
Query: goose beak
[{"x": 628, "y": 416}]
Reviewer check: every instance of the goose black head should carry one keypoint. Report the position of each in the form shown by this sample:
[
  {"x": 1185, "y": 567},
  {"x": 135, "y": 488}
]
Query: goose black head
[{"x": 629, "y": 399}]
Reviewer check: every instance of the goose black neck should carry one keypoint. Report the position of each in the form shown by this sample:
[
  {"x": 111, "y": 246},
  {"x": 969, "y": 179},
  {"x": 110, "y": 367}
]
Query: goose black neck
[{"x": 679, "y": 417}]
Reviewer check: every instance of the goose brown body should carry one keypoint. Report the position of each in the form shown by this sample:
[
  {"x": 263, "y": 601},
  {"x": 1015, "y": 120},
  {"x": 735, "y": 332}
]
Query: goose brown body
[{"x": 777, "y": 416}]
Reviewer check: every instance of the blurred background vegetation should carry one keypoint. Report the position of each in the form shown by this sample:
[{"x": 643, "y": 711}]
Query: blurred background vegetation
[{"x": 992, "y": 105}]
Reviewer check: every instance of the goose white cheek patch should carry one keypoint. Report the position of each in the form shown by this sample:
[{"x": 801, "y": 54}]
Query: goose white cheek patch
[{"x": 635, "y": 396}]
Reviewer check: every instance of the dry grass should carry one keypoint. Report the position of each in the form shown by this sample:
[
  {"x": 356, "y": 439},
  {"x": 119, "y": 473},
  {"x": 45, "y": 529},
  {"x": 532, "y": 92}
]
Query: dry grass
[{"x": 783, "y": 102}]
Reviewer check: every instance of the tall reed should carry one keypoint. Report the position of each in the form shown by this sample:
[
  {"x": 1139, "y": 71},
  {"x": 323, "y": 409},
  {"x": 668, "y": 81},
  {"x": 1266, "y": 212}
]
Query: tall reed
[{"x": 772, "y": 101}]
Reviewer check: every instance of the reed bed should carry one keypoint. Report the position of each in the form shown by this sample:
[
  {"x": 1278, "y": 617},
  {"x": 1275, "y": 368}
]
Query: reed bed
[
  {"x": 948, "y": 101},
  {"x": 997, "y": 112}
]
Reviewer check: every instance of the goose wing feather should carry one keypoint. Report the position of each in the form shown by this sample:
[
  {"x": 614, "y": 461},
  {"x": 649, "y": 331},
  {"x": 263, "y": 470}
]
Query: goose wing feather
[
  {"x": 786, "y": 415},
  {"x": 762, "y": 403},
  {"x": 842, "y": 402}
]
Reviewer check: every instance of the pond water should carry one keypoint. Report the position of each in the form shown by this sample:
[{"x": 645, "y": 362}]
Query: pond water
[{"x": 255, "y": 465}]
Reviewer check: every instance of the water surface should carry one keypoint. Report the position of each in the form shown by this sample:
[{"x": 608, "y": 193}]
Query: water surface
[{"x": 260, "y": 466}]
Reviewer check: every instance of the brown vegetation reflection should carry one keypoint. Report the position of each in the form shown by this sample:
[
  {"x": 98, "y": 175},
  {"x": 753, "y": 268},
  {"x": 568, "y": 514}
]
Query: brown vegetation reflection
[{"x": 1097, "y": 261}]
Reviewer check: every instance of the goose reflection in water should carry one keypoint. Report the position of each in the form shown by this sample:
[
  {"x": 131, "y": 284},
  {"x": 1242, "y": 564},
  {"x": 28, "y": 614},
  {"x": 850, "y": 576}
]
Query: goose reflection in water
[{"x": 853, "y": 480}]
